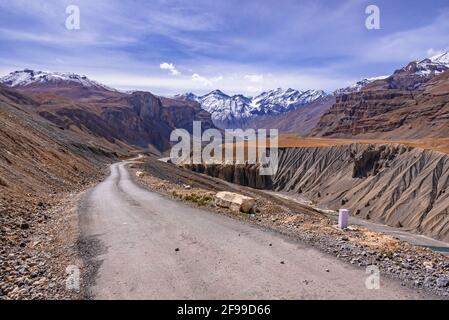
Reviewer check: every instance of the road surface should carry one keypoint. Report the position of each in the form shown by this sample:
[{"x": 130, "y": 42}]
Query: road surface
[{"x": 141, "y": 245}]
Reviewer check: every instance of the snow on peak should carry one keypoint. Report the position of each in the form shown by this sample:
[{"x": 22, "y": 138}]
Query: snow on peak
[
  {"x": 29, "y": 77},
  {"x": 359, "y": 85},
  {"x": 442, "y": 58},
  {"x": 239, "y": 108},
  {"x": 279, "y": 100},
  {"x": 428, "y": 66}
]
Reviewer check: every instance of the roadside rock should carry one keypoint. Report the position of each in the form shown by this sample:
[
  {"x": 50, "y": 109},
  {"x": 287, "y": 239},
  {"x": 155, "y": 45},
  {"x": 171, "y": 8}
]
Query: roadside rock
[
  {"x": 236, "y": 202},
  {"x": 139, "y": 174}
]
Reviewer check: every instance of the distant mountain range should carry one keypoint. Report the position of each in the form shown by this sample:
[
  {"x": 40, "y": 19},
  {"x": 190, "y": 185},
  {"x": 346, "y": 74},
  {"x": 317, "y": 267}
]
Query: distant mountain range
[
  {"x": 268, "y": 108},
  {"x": 238, "y": 110},
  {"x": 226, "y": 111},
  {"x": 362, "y": 108}
]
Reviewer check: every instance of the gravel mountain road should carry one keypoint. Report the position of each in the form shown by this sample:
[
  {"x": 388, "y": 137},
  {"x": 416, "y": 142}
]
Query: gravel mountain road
[{"x": 142, "y": 245}]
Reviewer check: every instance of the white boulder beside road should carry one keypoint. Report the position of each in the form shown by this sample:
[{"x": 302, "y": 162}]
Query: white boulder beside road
[
  {"x": 139, "y": 174},
  {"x": 234, "y": 201}
]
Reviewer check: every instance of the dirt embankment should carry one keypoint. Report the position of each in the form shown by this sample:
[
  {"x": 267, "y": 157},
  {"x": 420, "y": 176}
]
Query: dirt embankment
[
  {"x": 42, "y": 169},
  {"x": 397, "y": 185}
]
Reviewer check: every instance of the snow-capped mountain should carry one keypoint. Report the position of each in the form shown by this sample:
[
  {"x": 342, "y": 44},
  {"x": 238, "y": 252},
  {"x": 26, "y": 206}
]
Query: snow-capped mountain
[
  {"x": 29, "y": 78},
  {"x": 280, "y": 101},
  {"x": 356, "y": 87},
  {"x": 235, "y": 111},
  {"x": 417, "y": 73},
  {"x": 410, "y": 77},
  {"x": 436, "y": 64}
]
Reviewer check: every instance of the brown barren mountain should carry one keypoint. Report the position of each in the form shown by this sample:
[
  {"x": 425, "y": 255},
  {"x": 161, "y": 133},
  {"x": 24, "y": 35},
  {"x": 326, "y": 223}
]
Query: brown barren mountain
[
  {"x": 381, "y": 110},
  {"x": 137, "y": 120},
  {"x": 37, "y": 155}
]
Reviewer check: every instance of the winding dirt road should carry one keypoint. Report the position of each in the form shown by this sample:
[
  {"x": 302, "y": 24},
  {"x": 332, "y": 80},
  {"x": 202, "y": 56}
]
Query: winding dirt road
[{"x": 141, "y": 245}]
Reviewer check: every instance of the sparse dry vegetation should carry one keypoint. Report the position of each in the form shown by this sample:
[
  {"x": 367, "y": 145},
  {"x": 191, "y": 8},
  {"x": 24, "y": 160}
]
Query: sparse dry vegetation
[{"x": 199, "y": 197}]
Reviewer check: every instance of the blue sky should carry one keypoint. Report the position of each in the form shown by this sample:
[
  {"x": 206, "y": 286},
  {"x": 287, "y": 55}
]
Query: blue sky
[{"x": 241, "y": 46}]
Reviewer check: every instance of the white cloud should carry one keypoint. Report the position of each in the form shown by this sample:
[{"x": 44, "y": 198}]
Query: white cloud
[
  {"x": 207, "y": 82},
  {"x": 255, "y": 78},
  {"x": 170, "y": 67},
  {"x": 432, "y": 52}
]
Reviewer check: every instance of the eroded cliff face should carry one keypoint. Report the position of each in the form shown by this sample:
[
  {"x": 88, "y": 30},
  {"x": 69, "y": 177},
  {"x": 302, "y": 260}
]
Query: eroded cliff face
[
  {"x": 245, "y": 175},
  {"x": 393, "y": 184},
  {"x": 138, "y": 120}
]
